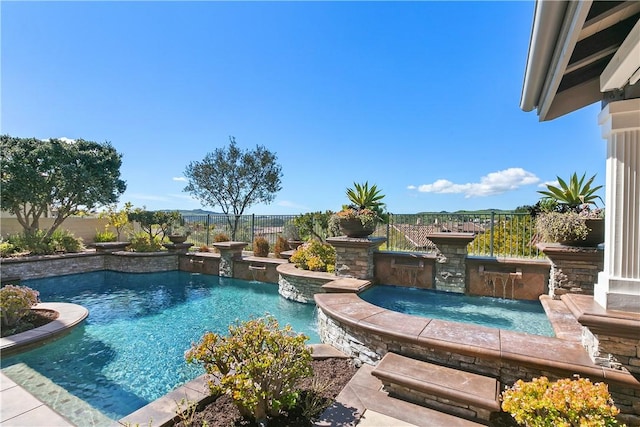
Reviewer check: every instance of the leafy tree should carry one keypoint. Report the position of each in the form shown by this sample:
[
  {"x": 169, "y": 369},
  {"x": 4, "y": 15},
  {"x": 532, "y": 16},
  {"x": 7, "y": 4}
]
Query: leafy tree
[
  {"x": 313, "y": 225},
  {"x": 118, "y": 219},
  {"x": 155, "y": 224},
  {"x": 234, "y": 180},
  {"x": 67, "y": 177}
]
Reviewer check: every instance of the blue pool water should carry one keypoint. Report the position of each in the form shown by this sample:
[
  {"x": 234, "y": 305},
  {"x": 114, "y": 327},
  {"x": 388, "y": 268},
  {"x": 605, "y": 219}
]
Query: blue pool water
[
  {"x": 517, "y": 315},
  {"x": 130, "y": 350}
]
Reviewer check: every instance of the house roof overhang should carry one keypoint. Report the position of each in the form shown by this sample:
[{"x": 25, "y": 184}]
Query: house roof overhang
[{"x": 579, "y": 51}]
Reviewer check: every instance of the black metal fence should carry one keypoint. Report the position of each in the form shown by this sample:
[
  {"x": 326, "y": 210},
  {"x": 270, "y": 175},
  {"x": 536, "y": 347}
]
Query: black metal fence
[{"x": 497, "y": 234}]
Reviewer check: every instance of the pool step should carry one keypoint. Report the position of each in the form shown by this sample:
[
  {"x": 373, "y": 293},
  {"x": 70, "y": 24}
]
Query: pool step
[
  {"x": 460, "y": 393},
  {"x": 363, "y": 402}
]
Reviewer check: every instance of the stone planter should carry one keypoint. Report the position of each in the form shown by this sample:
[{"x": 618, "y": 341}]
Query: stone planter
[
  {"x": 177, "y": 238},
  {"x": 352, "y": 227}
]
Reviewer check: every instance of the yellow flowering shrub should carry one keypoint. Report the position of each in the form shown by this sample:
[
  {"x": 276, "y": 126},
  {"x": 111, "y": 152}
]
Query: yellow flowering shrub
[
  {"x": 315, "y": 256},
  {"x": 563, "y": 403}
]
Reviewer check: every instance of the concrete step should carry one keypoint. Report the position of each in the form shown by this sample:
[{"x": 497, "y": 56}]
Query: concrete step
[
  {"x": 363, "y": 403},
  {"x": 460, "y": 393}
]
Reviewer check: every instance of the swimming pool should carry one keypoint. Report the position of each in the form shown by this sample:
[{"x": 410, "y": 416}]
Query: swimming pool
[
  {"x": 516, "y": 315},
  {"x": 130, "y": 349}
]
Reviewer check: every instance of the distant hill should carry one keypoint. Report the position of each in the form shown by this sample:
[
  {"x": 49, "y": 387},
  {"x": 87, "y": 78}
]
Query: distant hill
[
  {"x": 198, "y": 212},
  {"x": 476, "y": 212}
]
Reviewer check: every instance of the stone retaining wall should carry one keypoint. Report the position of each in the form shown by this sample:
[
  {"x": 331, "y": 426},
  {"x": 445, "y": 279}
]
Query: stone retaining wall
[
  {"x": 369, "y": 345},
  {"x": 65, "y": 264},
  {"x": 51, "y": 265},
  {"x": 301, "y": 285},
  {"x": 141, "y": 262}
]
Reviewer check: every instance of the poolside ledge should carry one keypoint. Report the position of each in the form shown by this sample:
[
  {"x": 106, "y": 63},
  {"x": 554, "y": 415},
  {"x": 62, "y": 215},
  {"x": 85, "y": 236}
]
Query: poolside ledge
[{"x": 69, "y": 316}]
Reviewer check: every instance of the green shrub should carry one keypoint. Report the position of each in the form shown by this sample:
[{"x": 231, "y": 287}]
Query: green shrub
[
  {"x": 140, "y": 242},
  {"x": 35, "y": 243},
  {"x": 15, "y": 303},
  {"x": 257, "y": 365},
  {"x": 566, "y": 402},
  {"x": 64, "y": 241},
  {"x": 6, "y": 249},
  {"x": 316, "y": 256},
  {"x": 38, "y": 243},
  {"x": 260, "y": 247},
  {"x": 105, "y": 236}
]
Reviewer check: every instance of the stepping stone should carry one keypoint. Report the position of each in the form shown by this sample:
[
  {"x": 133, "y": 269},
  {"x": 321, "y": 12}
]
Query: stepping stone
[{"x": 464, "y": 394}]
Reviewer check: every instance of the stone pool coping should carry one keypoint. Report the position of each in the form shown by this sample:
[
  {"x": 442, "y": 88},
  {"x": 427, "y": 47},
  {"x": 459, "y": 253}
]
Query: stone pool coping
[{"x": 69, "y": 316}]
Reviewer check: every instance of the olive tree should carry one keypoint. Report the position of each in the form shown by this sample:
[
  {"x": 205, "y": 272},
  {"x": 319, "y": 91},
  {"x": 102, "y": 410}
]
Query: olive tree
[
  {"x": 234, "y": 180},
  {"x": 64, "y": 176}
]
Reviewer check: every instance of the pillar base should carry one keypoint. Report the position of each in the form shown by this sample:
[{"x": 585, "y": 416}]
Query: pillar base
[{"x": 617, "y": 294}]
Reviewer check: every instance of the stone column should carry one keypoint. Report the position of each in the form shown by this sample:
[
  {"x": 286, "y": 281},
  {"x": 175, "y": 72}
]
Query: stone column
[
  {"x": 573, "y": 269},
  {"x": 451, "y": 266},
  {"x": 618, "y": 286},
  {"x": 354, "y": 256},
  {"x": 229, "y": 252}
]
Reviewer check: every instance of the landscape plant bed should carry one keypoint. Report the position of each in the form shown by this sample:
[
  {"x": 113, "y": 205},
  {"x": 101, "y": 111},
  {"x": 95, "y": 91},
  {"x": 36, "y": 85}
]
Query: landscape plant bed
[
  {"x": 316, "y": 394},
  {"x": 35, "y": 319}
]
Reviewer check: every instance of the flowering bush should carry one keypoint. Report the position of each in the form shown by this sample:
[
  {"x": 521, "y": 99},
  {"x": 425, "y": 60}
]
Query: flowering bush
[
  {"x": 563, "y": 403},
  {"x": 257, "y": 364},
  {"x": 315, "y": 256},
  {"x": 15, "y": 303}
]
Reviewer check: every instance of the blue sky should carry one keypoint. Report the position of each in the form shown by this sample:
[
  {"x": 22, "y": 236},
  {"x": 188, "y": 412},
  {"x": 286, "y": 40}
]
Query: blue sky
[{"x": 420, "y": 98}]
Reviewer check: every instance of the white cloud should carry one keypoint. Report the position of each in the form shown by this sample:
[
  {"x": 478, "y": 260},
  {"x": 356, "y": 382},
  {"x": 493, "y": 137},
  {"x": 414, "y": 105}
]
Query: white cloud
[
  {"x": 180, "y": 178},
  {"x": 492, "y": 184}
]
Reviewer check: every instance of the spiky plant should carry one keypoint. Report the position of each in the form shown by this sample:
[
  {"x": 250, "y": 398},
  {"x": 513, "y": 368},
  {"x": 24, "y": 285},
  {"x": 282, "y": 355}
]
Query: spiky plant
[{"x": 575, "y": 194}]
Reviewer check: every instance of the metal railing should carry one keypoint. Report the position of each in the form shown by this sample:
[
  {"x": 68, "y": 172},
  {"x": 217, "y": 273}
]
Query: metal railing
[{"x": 497, "y": 234}]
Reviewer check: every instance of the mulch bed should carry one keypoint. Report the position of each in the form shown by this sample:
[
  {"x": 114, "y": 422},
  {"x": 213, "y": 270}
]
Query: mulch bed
[
  {"x": 35, "y": 319},
  {"x": 316, "y": 394}
]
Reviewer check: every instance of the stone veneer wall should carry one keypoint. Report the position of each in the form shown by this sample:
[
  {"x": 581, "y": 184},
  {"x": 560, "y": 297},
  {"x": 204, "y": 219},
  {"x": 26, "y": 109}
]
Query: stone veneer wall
[
  {"x": 573, "y": 269},
  {"x": 300, "y": 285},
  {"x": 62, "y": 265},
  {"x": 354, "y": 256},
  {"x": 141, "y": 262},
  {"x": 370, "y": 347},
  {"x": 51, "y": 265}
]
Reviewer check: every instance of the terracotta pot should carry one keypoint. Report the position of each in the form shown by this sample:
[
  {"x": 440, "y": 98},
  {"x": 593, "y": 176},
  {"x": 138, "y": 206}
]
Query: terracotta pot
[{"x": 352, "y": 227}]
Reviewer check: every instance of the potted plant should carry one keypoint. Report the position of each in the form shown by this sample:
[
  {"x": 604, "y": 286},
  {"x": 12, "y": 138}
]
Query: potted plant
[
  {"x": 179, "y": 231},
  {"x": 361, "y": 216},
  {"x": 569, "y": 215}
]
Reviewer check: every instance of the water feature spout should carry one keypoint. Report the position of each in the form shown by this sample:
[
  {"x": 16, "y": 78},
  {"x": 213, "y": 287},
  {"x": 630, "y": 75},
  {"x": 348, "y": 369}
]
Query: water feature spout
[
  {"x": 255, "y": 269},
  {"x": 491, "y": 279}
]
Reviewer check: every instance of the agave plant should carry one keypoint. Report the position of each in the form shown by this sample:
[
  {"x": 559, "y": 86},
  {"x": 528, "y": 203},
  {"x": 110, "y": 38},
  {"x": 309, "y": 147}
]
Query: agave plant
[
  {"x": 364, "y": 197},
  {"x": 575, "y": 194}
]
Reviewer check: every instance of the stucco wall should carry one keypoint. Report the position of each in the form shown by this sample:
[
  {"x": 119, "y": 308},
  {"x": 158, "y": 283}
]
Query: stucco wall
[{"x": 80, "y": 227}]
